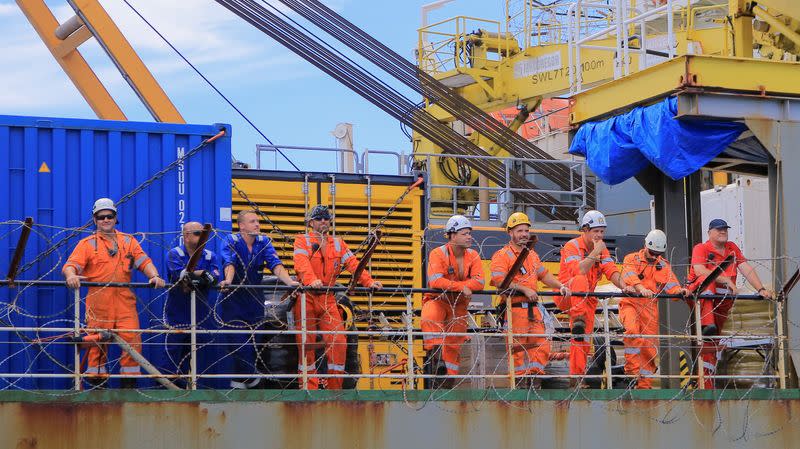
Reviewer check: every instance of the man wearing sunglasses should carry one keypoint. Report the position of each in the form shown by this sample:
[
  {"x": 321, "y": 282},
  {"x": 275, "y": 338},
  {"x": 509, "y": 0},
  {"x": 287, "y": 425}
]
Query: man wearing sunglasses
[
  {"x": 110, "y": 256},
  {"x": 650, "y": 274},
  {"x": 318, "y": 260},
  {"x": 244, "y": 257},
  {"x": 178, "y": 307}
]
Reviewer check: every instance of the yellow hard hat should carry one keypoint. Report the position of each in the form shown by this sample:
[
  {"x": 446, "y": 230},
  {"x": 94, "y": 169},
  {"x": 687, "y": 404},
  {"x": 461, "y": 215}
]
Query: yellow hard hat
[{"x": 517, "y": 218}]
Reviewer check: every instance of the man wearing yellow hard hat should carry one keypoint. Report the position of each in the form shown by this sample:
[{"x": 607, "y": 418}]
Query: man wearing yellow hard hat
[{"x": 531, "y": 353}]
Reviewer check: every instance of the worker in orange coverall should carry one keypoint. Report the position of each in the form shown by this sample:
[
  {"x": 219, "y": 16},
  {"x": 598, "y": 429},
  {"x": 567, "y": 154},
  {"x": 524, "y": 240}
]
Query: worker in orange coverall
[
  {"x": 650, "y": 274},
  {"x": 527, "y": 314},
  {"x": 110, "y": 256},
  {"x": 318, "y": 260},
  {"x": 584, "y": 260},
  {"x": 455, "y": 269},
  {"x": 714, "y": 312}
]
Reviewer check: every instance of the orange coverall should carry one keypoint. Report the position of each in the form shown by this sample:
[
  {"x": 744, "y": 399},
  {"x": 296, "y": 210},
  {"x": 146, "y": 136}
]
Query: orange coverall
[
  {"x": 581, "y": 306},
  {"x": 714, "y": 311},
  {"x": 103, "y": 260},
  {"x": 639, "y": 316},
  {"x": 536, "y": 349},
  {"x": 447, "y": 312},
  {"x": 321, "y": 310}
]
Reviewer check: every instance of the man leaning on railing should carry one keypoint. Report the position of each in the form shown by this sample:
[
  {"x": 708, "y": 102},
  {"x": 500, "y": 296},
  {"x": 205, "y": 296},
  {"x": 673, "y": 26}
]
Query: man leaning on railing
[
  {"x": 177, "y": 310},
  {"x": 110, "y": 256}
]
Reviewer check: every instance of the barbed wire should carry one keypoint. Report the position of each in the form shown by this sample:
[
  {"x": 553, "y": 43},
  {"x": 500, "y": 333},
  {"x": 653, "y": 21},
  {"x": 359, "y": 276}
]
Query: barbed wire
[{"x": 35, "y": 349}]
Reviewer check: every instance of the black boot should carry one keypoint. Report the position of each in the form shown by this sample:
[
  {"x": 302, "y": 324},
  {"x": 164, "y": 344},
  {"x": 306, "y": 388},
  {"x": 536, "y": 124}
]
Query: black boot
[
  {"x": 127, "y": 383},
  {"x": 96, "y": 383},
  {"x": 578, "y": 328},
  {"x": 434, "y": 365},
  {"x": 710, "y": 329}
]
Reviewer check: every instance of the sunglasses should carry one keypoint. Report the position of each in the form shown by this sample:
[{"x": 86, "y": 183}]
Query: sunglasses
[
  {"x": 194, "y": 233},
  {"x": 105, "y": 217}
]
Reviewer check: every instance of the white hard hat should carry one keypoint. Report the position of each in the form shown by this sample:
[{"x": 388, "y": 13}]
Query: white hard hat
[
  {"x": 593, "y": 219},
  {"x": 656, "y": 241},
  {"x": 103, "y": 204},
  {"x": 457, "y": 223}
]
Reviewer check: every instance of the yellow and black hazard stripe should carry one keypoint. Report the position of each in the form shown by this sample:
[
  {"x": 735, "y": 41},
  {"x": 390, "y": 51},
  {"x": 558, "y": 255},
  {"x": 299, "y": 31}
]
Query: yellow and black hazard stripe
[{"x": 686, "y": 370}]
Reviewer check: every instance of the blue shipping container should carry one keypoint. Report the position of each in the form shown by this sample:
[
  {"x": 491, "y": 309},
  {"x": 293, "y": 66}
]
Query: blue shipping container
[{"x": 53, "y": 169}]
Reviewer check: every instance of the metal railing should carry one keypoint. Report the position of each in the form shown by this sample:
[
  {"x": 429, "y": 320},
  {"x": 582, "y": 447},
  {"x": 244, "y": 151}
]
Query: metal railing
[
  {"x": 409, "y": 336},
  {"x": 261, "y": 148},
  {"x": 622, "y": 31},
  {"x": 503, "y": 195},
  {"x": 459, "y": 195},
  {"x": 444, "y": 46}
]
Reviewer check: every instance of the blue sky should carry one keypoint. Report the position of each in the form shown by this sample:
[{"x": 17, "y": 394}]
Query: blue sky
[{"x": 291, "y": 101}]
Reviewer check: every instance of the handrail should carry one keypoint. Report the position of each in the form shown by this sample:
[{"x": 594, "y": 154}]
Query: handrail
[{"x": 408, "y": 334}]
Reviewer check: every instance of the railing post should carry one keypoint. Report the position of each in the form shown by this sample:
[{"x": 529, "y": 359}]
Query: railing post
[
  {"x": 698, "y": 330},
  {"x": 76, "y": 330},
  {"x": 303, "y": 342},
  {"x": 670, "y": 32},
  {"x": 781, "y": 355},
  {"x": 512, "y": 375},
  {"x": 410, "y": 338},
  {"x": 193, "y": 336},
  {"x": 607, "y": 337}
]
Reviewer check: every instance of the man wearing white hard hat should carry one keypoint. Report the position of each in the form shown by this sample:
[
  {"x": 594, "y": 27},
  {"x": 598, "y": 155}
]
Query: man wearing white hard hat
[
  {"x": 584, "y": 260},
  {"x": 456, "y": 270},
  {"x": 110, "y": 256},
  {"x": 650, "y": 274}
]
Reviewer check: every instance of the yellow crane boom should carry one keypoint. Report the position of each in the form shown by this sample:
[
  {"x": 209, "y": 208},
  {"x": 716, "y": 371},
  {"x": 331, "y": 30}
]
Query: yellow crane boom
[{"x": 92, "y": 20}]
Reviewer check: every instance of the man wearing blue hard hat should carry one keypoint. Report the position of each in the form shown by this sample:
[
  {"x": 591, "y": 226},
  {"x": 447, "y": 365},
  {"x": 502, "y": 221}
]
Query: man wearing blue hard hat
[{"x": 714, "y": 312}]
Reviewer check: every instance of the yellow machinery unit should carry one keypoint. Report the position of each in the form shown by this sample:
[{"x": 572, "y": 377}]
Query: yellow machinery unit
[{"x": 359, "y": 203}]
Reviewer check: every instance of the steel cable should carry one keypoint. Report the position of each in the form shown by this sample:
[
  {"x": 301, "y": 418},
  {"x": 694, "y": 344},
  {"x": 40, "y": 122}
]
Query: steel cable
[
  {"x": 403, "y": 109},
  {"x": 430, "y": 88}
]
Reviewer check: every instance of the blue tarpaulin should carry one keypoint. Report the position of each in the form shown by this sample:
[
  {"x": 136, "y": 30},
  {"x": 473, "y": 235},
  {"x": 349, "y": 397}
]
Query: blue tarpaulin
[{"x": 620, "y": 147}]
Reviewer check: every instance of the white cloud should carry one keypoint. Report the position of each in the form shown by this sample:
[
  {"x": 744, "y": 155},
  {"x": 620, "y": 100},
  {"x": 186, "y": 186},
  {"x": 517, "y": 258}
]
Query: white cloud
[
  {"x": 220, "y": 44},
  {"x": 7, "y": 9}
]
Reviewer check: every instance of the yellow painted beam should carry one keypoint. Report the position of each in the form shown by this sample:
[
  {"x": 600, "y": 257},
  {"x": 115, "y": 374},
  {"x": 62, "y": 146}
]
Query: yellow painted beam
[
  {"x": 741, "y": 13},
  {"x": 758, "y": 76},
  {"x": 742, "y": 75},
  {"x": 72, "y": 62},
  {"x": 543, "y": 72},
  {"x": 624, "y": 93},
  {"x": 72, "y": 42},
  {"x": 130, "y": 65},
  {"x": 778, "y": 25},
  {"x": 790, "y": 8}
]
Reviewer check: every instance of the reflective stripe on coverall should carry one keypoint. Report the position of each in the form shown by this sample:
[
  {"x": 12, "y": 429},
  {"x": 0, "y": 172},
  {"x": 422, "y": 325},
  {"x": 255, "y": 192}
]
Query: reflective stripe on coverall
[
  {"x": 581, "y": 306},
  {"x": 322, "y": 312},
  {"x": 103, "y": 260},
  {"x": 446, "y": 312},
  {"x": 639, "y": 316},
  {"x": 535, "y": 349}
]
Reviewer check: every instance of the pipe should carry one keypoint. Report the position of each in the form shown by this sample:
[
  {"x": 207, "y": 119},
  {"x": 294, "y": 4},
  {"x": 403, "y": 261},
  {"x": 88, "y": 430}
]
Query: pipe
[
  {"x": 143, "y": 362},
  {"x": 13, "y": 268},
  {"x": 388, "y": 289},
  {"x": 778, "y": 25},
  {"x": 72, "y": 25}
]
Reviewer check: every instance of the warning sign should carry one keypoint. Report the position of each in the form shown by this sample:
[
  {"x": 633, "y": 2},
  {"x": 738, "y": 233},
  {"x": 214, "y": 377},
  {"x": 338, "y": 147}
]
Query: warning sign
[{"x": 44, "y": 168}]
